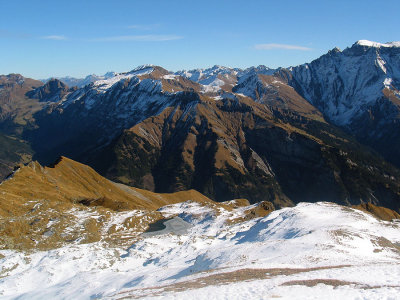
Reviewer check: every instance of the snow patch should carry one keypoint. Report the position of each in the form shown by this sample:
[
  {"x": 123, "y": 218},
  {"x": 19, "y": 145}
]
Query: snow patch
[
  {"x": 387, "y": 82},
  {"x": 377, "y": 45},
  {"x": 170, "y": 76},
  {"x": 381, "y": 63},
  {"x": 213, "y": 86}
]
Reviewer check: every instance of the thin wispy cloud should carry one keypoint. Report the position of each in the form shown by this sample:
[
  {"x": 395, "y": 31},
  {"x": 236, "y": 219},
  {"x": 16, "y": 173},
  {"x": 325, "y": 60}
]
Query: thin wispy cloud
[
  {"x": 54, "y": 37},
  {"x": 280, "y": 47},
  {"x": 138, "y": 38},
  {"x": 143, "y": 26}
]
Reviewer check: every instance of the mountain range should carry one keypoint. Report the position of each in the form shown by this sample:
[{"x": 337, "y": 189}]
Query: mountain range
[
  {"x": 326, "y": 130},
  {"x": 205, "y": 183}
]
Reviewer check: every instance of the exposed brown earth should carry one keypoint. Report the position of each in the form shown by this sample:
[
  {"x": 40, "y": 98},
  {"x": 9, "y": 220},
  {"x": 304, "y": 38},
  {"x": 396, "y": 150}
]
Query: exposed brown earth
[
  {"x": 380, "y": 212},
  {"x": 72, "y": 182},
  {"x": 230, "y": 277}
]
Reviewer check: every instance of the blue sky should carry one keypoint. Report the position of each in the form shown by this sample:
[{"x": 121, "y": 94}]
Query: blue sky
[{"x": 44, "y": 38}]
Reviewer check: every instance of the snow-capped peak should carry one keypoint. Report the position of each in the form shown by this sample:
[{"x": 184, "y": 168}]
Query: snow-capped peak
[{"x": 377, "y": 45}]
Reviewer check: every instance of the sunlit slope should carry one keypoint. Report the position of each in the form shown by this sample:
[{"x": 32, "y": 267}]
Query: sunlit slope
[{"x": 70, "y": 202}]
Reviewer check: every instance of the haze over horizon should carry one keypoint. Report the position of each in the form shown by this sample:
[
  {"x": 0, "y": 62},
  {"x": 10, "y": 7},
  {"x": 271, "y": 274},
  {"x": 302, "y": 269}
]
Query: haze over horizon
[{"x": 42, "y": 39}]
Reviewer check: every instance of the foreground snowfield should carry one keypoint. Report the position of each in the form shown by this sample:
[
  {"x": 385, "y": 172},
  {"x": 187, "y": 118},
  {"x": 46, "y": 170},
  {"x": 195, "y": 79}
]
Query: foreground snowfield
[{"x": 311, "y": 251}]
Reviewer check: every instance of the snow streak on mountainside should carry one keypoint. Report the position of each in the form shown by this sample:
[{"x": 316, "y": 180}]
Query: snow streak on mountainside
[{"x": 310, "y": 251}]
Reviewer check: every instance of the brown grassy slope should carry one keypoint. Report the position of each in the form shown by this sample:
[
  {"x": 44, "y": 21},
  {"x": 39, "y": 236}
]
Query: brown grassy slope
[
  {"x": 70, "y": 182},
  {"x": 380, "y": 212},
  {"x": 47, "y": 207}
]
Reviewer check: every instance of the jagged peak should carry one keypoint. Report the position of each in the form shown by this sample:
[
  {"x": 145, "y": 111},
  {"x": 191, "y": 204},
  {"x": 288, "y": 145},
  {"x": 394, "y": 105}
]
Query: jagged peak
[
  {"x": 335, "y": 50},
  {"x": 104, "y": 84},
  {"x": 259, "y": 67}
]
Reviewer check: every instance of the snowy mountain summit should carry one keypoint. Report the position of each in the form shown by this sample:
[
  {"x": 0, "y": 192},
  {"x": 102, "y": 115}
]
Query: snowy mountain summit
[{"x": 377, "y": 45}]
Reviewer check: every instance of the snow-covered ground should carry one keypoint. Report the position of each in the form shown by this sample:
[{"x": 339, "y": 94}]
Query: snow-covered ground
[{"x": 311, "y": 251}]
